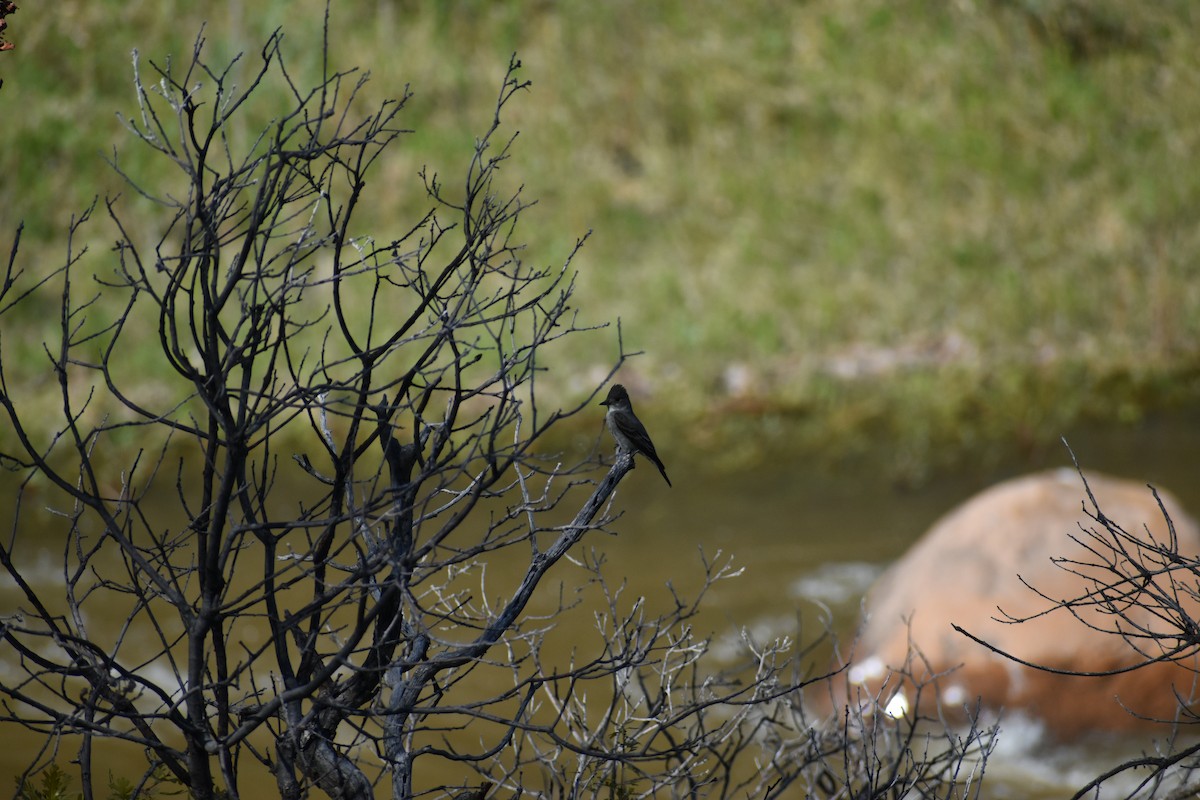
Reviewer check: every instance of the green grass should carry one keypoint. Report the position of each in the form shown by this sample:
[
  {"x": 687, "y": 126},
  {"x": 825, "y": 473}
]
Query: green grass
[{"x": 939, "y": 224}]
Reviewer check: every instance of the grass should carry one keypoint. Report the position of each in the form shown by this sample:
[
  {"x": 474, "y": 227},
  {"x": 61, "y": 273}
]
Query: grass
[{"x": 935, "y": 225}]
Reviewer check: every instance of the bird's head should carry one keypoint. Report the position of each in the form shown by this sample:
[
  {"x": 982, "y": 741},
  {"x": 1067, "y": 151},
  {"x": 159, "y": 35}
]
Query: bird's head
[{"x": 616, "y": 395}]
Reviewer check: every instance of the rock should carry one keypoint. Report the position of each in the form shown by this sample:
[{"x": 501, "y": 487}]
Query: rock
[{"x": 965, "y": 571}]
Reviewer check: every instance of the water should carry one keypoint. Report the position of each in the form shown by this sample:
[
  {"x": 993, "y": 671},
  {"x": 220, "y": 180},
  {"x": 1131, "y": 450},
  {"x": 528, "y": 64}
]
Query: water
[{"x": 809, "y": 540}]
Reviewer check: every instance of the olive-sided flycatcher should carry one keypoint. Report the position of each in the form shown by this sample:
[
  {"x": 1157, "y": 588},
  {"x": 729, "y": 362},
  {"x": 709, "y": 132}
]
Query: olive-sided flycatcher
[{"x": 627, "y": 429}]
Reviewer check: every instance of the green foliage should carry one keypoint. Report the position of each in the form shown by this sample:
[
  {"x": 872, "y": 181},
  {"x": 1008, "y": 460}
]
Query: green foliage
[
  {"x": 55, "y": 785},
  {"x": 121, "y": 788},
  {"x": 162, "y": 785},
  {"x": 771, "y": 186}
]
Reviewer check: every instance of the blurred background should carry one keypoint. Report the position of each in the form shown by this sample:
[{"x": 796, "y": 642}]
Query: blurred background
[{"x": 955, "y": 229}]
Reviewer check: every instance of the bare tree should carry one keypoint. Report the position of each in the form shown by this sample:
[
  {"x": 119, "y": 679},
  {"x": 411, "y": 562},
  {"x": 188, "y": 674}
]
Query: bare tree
[
  {"x": 1144, "y": 590},
  {"x": 341, "y": 590}
]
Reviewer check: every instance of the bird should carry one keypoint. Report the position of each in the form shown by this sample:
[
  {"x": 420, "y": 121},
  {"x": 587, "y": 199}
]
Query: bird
[{"x": 627, "y": 429}]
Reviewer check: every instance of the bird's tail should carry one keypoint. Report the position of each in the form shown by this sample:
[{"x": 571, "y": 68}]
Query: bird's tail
[{"x": 663, "y": 470}]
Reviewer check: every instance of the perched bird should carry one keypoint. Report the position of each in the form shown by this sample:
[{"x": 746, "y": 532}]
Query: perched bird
[{"x": 627, "y": 429}]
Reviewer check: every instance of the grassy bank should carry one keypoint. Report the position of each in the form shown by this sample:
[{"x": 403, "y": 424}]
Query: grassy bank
[{"x": 940, "y": 224}]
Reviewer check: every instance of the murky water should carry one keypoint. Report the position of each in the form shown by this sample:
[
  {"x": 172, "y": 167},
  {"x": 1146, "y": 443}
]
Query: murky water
[{"x": 811, "y": 539}]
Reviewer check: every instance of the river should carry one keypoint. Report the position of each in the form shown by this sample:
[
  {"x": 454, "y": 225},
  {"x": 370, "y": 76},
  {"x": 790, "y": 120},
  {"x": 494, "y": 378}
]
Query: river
[{"x": 811, "y": 538}]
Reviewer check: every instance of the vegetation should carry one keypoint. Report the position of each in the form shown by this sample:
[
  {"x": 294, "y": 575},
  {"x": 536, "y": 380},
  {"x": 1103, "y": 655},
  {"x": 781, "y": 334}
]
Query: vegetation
[
  {"x": 937, "y": 225},
  {"x": 859, "y": 217},
  {"x": 315, "y": 551}
]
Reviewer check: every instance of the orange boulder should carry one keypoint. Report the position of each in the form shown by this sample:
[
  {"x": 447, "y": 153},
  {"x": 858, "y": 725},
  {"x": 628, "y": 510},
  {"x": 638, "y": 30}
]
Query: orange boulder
[{"x": 975, "y": 569}]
